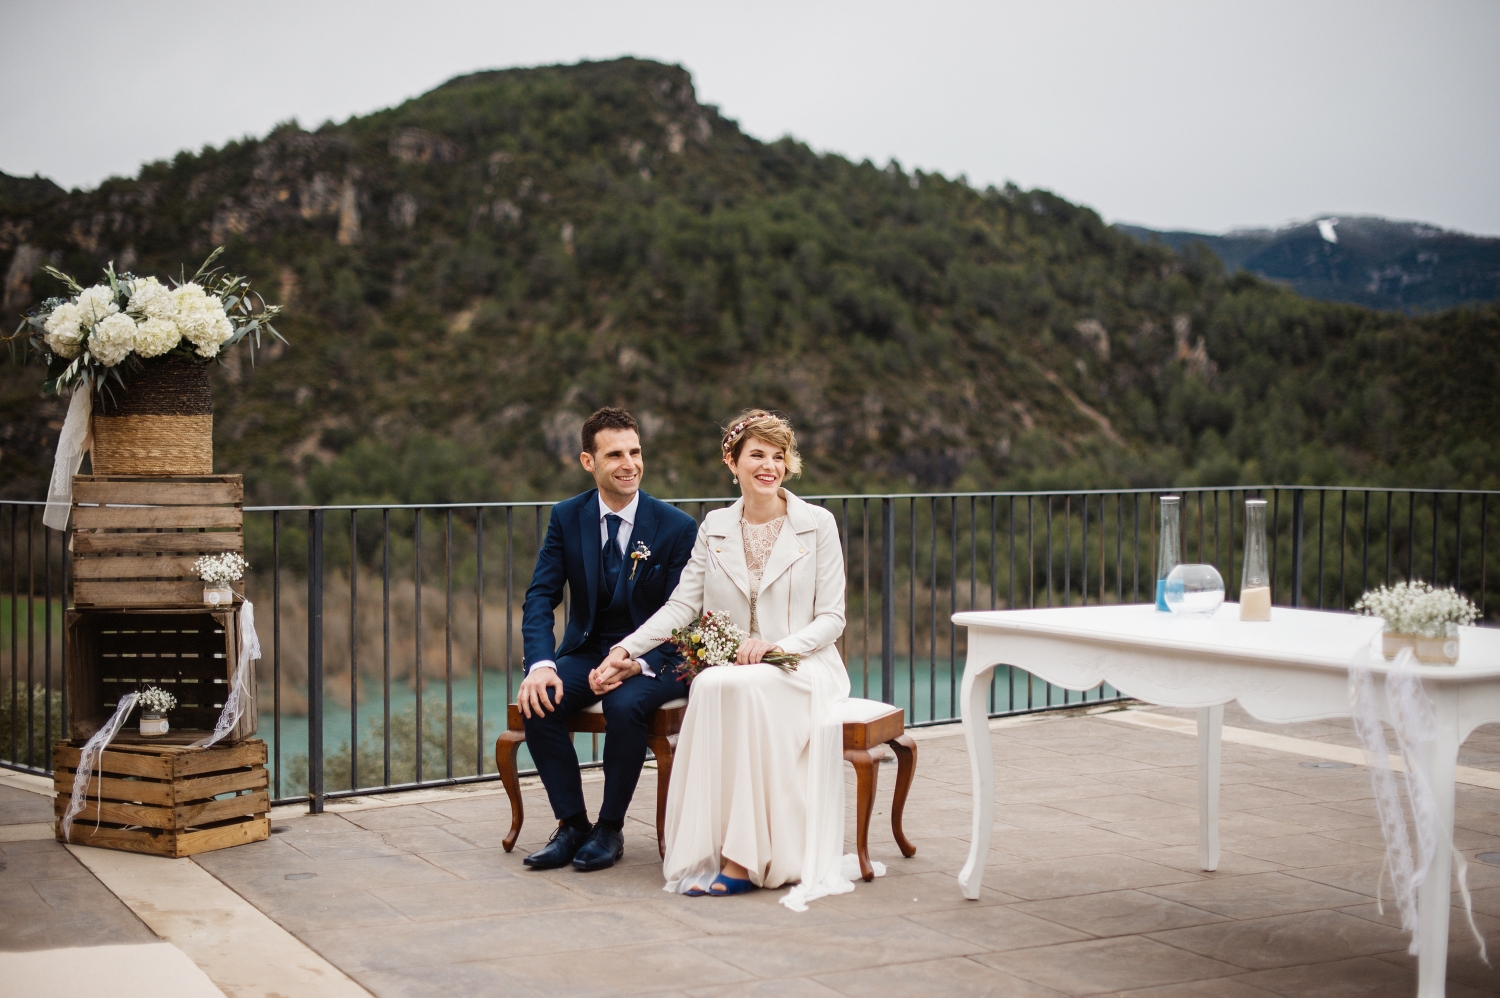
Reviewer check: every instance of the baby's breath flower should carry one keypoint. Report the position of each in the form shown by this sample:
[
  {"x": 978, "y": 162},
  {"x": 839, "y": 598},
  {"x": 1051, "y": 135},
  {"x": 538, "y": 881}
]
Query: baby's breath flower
[
  {"x": 156, "y": 700},
  {"x": 220, "y": 569}
]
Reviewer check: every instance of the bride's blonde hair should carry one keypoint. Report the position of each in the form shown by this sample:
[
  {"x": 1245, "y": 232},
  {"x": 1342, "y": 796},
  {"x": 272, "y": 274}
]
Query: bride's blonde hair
[{"x": 773, "y": 429}]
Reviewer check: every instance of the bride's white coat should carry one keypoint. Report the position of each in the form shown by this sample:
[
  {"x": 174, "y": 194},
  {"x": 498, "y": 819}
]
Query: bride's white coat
[{"x": 758, "y": 774}]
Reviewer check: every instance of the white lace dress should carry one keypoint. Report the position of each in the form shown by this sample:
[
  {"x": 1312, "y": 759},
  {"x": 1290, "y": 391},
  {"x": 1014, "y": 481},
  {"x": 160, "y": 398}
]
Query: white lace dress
[{"x": 760, "y": 539}]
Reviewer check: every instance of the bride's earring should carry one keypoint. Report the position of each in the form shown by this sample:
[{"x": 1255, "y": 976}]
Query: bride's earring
[{"x": 736, "y": 479}]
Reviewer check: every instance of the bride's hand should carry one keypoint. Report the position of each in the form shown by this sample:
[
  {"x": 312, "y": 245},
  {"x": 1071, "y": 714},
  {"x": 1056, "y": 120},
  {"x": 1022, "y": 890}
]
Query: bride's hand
[
  {"x": 602, "y": 678},
  {"x": 753, "y": 650}
]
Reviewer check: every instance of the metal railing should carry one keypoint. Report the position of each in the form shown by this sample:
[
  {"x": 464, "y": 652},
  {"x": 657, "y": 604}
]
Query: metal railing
[{"x": 392, "y": 633}]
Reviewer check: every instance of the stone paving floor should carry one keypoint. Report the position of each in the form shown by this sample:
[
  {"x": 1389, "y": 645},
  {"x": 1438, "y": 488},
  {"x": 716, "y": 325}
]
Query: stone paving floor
[
  {"x": 47, "y": 896},
  {"x": 1091, "y": 887}
]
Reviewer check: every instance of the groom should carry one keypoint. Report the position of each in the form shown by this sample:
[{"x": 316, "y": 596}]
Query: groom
[{"x": 619, "y": 552}]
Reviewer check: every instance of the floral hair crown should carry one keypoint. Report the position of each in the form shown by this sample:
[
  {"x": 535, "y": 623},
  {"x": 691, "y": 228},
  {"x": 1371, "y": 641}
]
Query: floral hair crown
[{"x": 735, "y": 432}]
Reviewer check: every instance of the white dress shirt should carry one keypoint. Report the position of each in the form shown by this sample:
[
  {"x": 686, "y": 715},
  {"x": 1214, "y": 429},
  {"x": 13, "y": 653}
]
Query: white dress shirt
[{"x": 627, "y": 515}]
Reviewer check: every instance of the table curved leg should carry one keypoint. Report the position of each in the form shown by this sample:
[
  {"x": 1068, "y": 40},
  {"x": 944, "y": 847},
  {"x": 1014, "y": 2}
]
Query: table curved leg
[
  {"x": 974, "y": 705},
  {"x": 1210, "y": 740},
  {"x": 1434, "y": 896}
]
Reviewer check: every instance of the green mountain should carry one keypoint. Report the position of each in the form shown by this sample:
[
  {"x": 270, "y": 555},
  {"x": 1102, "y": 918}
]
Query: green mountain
[
  {"x": 467, "y": 275},
  {"x": 1375, "y": 262}
]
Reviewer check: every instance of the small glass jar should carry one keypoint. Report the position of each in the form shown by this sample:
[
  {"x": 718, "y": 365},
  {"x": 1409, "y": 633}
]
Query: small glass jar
[
  {"x": 1441, "y": 649},
  {"x": 218, "y": 595},
  {"x": 153, "y": 725},
  {"x": 1391, "y": 643},
  {"x": 1169, "y": 549}
]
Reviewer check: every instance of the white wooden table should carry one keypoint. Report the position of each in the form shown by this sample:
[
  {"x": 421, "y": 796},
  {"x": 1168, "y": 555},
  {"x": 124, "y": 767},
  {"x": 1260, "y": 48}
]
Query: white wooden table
[{"x": 1295, "y": 668}]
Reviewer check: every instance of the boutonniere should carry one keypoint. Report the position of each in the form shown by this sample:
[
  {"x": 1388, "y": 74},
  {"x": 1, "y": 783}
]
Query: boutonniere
[{"x": 640, "y": 554}]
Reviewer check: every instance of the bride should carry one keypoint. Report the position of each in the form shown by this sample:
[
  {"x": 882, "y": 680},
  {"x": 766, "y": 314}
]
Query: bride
[{"x": 757, "y": 791}]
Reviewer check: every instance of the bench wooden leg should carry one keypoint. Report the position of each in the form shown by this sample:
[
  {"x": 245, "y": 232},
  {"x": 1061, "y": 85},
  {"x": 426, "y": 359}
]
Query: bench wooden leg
[
  {"x": 506, "y": 746},
  {"x": 664, "y": 747},
  {"x": 906, "y": 768},
  {"x": 866, "y": 768}
]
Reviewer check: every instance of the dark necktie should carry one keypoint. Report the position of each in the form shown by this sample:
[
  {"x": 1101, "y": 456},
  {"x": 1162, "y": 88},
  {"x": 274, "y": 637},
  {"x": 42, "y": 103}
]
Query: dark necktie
[{"x": 613, "y": 561}]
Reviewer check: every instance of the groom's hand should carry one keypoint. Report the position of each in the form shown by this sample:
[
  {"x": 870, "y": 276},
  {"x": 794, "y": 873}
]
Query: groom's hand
[
  {"x": 613, "y": 671},
  {"x": 533, "y": 696}
]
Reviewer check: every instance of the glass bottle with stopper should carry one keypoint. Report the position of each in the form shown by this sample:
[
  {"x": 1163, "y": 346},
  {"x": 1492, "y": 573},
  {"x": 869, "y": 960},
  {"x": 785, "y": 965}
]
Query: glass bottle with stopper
[
  {"x": 1169, "y": 552},
  {"x": 1255, "y": 583}
]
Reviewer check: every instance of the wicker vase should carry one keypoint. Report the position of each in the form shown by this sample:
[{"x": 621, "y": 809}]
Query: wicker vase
[{"x": 160, "y": 423}]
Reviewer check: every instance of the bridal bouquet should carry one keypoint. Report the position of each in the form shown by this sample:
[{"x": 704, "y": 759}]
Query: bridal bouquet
[
  {"x": 87, "y": 335},
  {"x": 713, "y": 639}
]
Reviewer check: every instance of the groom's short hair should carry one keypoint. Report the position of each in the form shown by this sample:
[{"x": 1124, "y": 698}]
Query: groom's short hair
[{"x": 608, "y": 418}]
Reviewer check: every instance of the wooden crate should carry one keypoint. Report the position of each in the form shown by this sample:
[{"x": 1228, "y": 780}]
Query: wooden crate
[
  {"x": 135, "y": 540},
  {"x": 167, "y": 800},
  {"x": 190, "y": 653}
]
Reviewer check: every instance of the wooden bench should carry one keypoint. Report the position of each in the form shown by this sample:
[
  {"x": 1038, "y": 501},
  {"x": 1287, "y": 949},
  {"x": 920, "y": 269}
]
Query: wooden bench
[{"x": 869, "y": 726}]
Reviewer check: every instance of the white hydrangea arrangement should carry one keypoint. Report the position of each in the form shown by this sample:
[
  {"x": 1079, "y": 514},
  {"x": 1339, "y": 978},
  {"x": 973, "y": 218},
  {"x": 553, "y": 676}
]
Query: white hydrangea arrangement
[
  {"x": 156, "y": 700},
  {"x": 139, "y": 318},
  {"x": 220, "y": 569}
]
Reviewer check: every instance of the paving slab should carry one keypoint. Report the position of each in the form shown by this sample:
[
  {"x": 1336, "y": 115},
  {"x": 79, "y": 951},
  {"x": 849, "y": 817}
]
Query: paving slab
[
  {"x": 147, "y": 970},
  {"x": 1092, "y": 886},
  {"x": 48, "y": 900}
]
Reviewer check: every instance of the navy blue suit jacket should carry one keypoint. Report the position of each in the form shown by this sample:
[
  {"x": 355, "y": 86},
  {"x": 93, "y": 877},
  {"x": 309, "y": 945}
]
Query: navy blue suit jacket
[{"x": 570, "y": 554}]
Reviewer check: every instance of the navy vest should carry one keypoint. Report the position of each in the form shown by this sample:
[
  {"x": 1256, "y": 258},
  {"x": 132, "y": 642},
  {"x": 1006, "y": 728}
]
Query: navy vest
[{"x": 612, "y": 610}]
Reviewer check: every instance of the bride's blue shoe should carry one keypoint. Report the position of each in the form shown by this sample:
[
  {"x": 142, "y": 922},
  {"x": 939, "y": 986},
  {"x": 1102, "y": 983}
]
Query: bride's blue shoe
[{"x": 724, "y": 886}]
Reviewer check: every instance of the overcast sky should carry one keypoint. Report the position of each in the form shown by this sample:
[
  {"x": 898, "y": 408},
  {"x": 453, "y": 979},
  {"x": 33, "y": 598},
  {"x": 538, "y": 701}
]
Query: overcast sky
[{"x": 1198, "y": 115}]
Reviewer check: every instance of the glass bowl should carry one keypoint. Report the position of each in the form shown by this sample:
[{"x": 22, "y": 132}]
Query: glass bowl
[{"x": 1194, "y": 590}]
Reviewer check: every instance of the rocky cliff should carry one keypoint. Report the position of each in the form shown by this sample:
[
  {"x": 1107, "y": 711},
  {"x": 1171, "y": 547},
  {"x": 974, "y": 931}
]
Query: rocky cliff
[{"x": 470, "y": 273}]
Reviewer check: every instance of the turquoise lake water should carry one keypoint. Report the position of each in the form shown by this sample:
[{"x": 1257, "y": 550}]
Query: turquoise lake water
[{"x": 935, "y": 689}]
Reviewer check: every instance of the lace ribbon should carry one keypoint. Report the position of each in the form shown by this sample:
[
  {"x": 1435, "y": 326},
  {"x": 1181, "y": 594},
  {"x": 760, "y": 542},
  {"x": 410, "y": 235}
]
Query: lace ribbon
[
  {"x": 1415, "y": 726},
  {"x": 239, "y": 691},
  {"x": 76, "y": 437},
  {"x": 89, "y": 758}
]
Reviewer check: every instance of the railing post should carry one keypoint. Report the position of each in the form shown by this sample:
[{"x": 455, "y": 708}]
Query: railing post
[
  {"x": 1297, "y": 496},
  {"x": 888, "y": 600},
  {"x": 315, "y": 662}
]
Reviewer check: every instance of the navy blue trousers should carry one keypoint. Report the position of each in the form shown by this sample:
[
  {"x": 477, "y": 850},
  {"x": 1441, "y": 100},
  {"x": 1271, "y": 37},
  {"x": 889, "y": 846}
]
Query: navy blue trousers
[{"x": 626, "y": 712}]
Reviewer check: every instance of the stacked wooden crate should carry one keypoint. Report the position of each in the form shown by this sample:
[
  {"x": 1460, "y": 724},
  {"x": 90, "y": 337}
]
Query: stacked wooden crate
[
  {"x": 167, "y": 800},
  {"x": 135, "y": 539},
  {"x": 139, "y": 620}
]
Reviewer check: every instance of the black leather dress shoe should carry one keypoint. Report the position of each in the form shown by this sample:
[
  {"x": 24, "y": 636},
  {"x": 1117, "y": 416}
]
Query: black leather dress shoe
[
  {"x": 603, "y": 848},
  {"x": 559, "y": 850}
]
